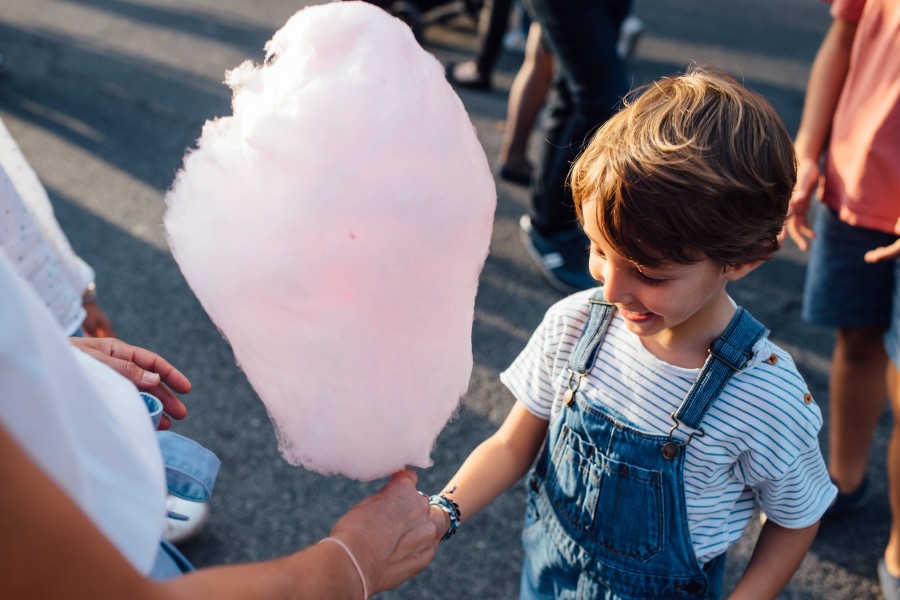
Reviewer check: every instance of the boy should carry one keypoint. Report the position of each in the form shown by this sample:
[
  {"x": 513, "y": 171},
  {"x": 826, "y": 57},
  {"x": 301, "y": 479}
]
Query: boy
[{"x": 666, "y": 410}]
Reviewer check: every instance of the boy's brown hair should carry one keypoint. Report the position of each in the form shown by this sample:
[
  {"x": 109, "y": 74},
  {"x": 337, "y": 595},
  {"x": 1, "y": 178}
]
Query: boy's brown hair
[{"x": 694, "y": 166}]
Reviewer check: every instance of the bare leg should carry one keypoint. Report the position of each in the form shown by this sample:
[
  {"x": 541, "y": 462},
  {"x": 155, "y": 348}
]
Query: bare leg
[
  {"x": 526, "y": 97},
  {"x": 892, "y": 553},
  {"x": 858, "y": 390}
]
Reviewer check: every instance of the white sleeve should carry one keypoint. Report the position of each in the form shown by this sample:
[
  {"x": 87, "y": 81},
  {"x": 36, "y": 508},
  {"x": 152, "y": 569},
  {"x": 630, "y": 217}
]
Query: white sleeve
[
  {"x": 784, "y": 465},
  {"x": 535, "y": 376},
  {"x": 530, "y": 376},
  {"x": 34, "y": 197}
]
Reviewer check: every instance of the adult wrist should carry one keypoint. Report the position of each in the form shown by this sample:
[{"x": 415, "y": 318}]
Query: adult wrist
[
  {"x": 356, "y": 566},
  {"x": 90, "y": 293}
]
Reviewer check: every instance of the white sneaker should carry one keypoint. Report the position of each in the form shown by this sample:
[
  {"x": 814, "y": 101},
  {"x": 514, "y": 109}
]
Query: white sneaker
[
  {"x": 629, "y": 34},
  {"x": 194, "y": 516},
  {"x": 514, "y": 40}
]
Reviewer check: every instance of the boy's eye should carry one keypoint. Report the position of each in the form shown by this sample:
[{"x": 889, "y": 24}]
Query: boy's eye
[{"x": 650, "y": 280}]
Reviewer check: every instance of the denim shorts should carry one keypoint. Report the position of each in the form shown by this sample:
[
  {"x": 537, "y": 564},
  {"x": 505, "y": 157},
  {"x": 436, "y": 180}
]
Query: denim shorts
[{"x": 844, "y": 291}]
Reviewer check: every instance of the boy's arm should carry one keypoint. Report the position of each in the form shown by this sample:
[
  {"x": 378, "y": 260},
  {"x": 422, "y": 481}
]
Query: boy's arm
[
  {"x": 826, "y": 80},
  {"x": 776, "y": 557},
  {"x": 497, "y": 463}
]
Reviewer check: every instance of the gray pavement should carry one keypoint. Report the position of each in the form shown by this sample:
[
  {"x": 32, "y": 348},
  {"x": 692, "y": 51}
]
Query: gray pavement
[{"x": 104, "y": 96}]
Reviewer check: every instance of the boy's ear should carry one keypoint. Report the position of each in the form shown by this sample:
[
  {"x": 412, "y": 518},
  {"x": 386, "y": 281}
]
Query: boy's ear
[{"x": 735, "y": 272}]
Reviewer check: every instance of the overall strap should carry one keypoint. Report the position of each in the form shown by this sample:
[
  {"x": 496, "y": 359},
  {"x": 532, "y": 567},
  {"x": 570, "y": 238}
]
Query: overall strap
[
  {"x": 598, "y": 322},
  {"x": 728, "y": 354},
  {"x": 586, "y": 349}
]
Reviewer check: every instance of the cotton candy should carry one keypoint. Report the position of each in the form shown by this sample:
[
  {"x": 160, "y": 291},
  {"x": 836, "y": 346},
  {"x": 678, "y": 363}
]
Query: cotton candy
[{"x": 333, "y": 228}]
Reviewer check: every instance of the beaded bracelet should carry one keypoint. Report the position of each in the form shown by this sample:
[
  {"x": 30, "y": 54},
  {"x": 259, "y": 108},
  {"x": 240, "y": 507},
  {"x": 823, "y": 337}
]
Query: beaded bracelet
[{"x": 451, "y": 508}]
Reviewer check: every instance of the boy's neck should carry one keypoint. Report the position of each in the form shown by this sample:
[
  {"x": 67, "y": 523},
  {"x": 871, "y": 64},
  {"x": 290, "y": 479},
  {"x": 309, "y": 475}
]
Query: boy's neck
[{"x": 687, "y": 345}]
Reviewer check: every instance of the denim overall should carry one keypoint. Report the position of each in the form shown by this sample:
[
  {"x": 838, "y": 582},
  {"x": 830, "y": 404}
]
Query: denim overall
[
  {"x": 606, "y": 514},
  {"x": 191, "y": 472}
]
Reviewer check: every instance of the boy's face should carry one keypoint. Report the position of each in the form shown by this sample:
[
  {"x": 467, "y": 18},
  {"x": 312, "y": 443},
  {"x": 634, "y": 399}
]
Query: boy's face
[{"x": 670, "y": 305}]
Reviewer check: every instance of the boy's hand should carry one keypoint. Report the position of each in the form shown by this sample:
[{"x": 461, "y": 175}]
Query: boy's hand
[
  {"x": 147, "y": 370},
  {"x": 797, "y": 225}
]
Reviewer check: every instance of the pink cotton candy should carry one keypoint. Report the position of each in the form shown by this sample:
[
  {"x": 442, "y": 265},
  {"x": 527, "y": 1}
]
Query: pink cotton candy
[{"x": 334, "y": 228}]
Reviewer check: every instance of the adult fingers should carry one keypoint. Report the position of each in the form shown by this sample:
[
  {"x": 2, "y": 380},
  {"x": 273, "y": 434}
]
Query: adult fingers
[
  {"x": 405, "y": 474},
  {"x": 172, "y": 406},
  {"x": 800, "y": 231},
  {"x": 120, "y": 357},
  {"x": 152, "y": 362},
  {"x": 883, "y": 253}
]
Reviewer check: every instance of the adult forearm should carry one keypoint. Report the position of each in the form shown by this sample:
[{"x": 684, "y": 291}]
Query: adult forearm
[
  {"x": 826, "y": 80},
  {"x": 320, "y": 571}
]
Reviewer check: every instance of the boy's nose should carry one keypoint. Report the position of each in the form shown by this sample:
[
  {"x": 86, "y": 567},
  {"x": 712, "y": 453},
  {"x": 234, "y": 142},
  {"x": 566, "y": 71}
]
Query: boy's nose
[{"x": 616, "y": 288}]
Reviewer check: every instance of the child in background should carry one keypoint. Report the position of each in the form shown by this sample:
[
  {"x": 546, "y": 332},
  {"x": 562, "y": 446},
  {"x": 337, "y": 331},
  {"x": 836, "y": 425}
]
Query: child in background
[
  {"x": 852, "y": 116},
  {"x": 659, "y": 412}
]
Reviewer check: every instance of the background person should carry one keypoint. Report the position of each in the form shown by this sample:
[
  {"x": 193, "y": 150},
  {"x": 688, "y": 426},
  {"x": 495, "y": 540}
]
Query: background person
[{"x": 852, "y": 115}]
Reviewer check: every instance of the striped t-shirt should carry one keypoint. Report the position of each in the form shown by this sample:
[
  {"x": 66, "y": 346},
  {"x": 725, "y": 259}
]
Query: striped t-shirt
[{"x": 761, "y": 439}]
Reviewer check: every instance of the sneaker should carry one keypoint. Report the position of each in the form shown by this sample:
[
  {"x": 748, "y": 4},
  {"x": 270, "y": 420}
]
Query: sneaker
[
  {"x": 890, "y": 585},
  {"x": 185, "y": 519},
  {"x": 562, "y": 258},
  {"x": 514, "y": 41},
  {"x": 629, "y": 34},
  {"x": 844, "y": 504}
]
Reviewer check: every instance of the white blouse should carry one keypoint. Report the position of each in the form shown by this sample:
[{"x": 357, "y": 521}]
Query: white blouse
[
  {"x": 34, "y": 242},
  {"x": 82, "y": 423}
]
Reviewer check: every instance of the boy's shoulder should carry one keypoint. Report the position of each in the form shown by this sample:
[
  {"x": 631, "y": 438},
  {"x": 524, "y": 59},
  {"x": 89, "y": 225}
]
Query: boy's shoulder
[
  {"x": 772, "y": 384},
  {"x": 770, "y": 356},
  {"x": 574, "y": 304},
  {"x": 570, "y": 312}
]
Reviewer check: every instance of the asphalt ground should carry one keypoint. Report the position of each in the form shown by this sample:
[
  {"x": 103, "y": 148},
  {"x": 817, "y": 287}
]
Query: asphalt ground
[{"x": 104, "y": 96}]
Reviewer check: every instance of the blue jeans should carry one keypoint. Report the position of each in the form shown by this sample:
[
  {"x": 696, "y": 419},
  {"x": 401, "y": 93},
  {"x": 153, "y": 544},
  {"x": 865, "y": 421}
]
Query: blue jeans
[
  {"x": 191, "y": 472},
  {"x": 589, "y": 83}
]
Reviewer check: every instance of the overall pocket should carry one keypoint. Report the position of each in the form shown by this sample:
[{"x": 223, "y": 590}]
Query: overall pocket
[
  {"x": 607, "y": 506},
  {"x": 629, "y": 511},
  {"x": 573, "y": 481}
]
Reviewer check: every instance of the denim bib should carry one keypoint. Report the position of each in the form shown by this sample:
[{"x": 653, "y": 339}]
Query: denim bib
[{"x": 606, "y": 514}]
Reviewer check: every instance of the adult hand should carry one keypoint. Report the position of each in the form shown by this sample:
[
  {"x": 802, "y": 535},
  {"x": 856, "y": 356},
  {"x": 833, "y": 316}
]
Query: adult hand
[
  {"x": 145, "y": 369},
  {"x": 891, "y": 252},
  {"x": 393, "y": 534},
  {"x": 96, "y": 323},
  {"x": 797, "y": 225}
]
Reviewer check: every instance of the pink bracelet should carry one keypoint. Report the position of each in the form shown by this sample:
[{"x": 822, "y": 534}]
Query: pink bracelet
[{"x": 353, "y": 560}]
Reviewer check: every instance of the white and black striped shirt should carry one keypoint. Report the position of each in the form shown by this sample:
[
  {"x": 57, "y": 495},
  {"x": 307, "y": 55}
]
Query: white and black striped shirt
[{"x": 761, "y": 439}]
